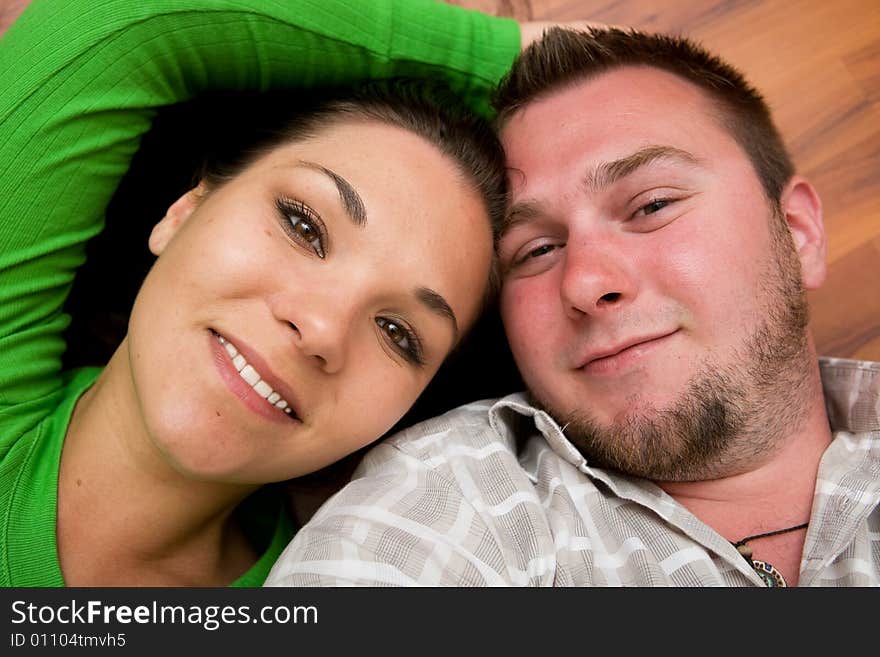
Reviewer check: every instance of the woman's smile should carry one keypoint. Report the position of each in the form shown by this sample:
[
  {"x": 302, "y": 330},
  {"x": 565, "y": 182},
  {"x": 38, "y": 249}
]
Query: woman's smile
[
  {"x": 319, "y": 318},
  {"x": 249, "y": 384}
]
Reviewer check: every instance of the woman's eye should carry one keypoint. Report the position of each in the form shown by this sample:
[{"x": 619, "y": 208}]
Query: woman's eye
[
  {"x": 302, "y": 224},
  {"x": 402, "y": 339}
]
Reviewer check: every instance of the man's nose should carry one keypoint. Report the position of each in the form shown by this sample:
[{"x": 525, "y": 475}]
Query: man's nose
[{"x": 597, "y": 278}]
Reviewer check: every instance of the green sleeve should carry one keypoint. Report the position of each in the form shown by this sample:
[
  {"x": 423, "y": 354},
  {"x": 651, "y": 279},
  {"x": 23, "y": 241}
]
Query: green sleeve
[{"x": 81, "y": 80}]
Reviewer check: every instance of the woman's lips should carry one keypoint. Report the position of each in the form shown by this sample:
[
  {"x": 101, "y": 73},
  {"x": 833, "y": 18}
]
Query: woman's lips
[{"x": 247, "y": 383}]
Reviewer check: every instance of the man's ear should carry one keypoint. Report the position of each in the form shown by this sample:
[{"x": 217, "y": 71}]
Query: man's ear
[
  {"x": 802, "y": 210},
  {"x": 174, "y": 218}
]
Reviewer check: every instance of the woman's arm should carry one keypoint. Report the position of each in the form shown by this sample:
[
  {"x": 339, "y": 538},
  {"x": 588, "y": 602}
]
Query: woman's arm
[{"x": 81, "y": 82}]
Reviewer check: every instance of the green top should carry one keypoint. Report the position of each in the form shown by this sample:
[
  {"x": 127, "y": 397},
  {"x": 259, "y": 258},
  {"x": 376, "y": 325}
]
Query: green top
[{"x": 81, "y": 82}]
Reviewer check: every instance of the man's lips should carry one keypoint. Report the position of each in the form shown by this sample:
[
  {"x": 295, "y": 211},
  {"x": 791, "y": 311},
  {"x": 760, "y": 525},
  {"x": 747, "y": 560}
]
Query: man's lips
[
  {"x": 251, "y": 379},
  {"x": 621, "y": 354}
]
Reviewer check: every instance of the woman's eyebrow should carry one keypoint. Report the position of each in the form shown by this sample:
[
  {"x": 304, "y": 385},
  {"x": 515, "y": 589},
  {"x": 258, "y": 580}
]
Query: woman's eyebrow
[
  {"x": 355, "y": 209},
  {"x": 351, "y": 200},
  {"x": 438, "y": 305}
]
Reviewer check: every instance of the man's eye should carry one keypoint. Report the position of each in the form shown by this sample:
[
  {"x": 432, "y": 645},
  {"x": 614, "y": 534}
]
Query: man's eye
[
  {"x": 402, "y": 339},
  {"x": 536, "y": 252},
  {"x": 652, "y": 207},
  {"x": 302, "y": 224},
  {"x": 541, "y": 250}
]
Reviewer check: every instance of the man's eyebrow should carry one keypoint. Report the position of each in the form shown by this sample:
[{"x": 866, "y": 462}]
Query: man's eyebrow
[
  {"x": 351, "y": 200},
  {"x": 437, "y": 304},
  {"x": 598, "y": 178},
  {"x": 518, "y": 213},
  {"x": 607, "y": 173}
]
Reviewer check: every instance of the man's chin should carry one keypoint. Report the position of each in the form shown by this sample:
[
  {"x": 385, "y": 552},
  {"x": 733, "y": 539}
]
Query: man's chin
[
  {"x": 616, "y": 416},
  {"x": 681, "y": 439}
]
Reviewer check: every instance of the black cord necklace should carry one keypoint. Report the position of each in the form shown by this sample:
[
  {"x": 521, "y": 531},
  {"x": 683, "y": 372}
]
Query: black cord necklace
[{"x": 767, "y": 571}]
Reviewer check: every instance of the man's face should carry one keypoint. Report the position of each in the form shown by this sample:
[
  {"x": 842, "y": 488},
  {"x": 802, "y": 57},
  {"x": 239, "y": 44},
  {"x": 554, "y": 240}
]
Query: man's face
[{"x": 645, "y": 287}]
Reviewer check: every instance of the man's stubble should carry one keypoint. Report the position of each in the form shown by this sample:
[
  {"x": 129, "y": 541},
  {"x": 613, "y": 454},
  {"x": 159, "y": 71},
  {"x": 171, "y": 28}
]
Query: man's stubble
[{"x": 733, "y": 414}]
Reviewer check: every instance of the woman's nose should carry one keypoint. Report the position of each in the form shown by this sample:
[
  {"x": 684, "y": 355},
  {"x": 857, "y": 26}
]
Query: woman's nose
[{"x": 321, "y": 333}]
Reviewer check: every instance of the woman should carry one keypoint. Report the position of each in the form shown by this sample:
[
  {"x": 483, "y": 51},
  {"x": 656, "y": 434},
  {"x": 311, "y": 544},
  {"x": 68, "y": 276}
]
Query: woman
[{"x": 294, "y": 312}]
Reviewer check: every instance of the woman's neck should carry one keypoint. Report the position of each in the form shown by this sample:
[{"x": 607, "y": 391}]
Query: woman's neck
[{"x": 125, "y": 515}]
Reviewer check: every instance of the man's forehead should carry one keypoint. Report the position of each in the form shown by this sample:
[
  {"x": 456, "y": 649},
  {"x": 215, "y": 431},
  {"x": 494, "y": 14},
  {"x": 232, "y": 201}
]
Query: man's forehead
[
  {"x": 605, "y": 118},
  {"x": 599, "y": 177},
  {"x": 624, "y": 91}
]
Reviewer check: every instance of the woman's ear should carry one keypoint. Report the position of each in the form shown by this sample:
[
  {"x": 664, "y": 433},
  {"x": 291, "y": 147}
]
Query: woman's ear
[
  {"x": 802, "y": 210},
  {"x": 174, "y": 218}
]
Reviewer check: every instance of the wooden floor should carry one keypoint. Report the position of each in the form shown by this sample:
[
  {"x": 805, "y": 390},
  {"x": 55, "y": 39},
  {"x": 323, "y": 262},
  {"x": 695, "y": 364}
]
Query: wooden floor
[{"x": 818, "y": 64}]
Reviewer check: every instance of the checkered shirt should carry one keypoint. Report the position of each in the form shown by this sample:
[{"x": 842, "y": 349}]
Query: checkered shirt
[{"x": 493, "y": 494}]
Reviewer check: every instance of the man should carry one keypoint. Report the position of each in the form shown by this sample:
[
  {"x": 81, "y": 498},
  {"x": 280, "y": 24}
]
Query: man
[{"x": 679, "y": 429}]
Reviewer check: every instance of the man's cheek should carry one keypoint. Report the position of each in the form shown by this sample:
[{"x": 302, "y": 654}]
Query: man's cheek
[
  {"x": 527, "y": 323},
  {"x": 516, "y": 306}
]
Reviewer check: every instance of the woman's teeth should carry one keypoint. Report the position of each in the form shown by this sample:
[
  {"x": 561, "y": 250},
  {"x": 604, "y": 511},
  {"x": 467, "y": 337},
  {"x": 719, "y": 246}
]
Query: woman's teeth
[{"x": 252, "y": 377}]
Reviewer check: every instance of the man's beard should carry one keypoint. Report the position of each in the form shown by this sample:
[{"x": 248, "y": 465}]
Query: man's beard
[{"x": 731, "y": 415}]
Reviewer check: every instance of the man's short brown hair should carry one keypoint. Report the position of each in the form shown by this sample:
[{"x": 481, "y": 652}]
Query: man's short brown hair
[{"x": 563, "y": 58}]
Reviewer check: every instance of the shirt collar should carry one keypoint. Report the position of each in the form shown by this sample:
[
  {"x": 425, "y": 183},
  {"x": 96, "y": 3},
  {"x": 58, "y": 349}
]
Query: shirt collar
[{"x": 852, "y": 394}]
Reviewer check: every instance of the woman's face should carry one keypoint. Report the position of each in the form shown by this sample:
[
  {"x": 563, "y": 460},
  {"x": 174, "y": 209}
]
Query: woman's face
[{"x": 341, "y": 270}]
